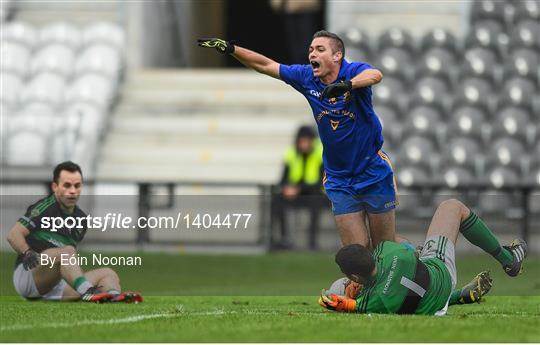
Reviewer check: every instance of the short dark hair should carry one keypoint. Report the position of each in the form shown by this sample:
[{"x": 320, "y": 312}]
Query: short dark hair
[
  {"x": 306, "y": 132},
  {"x": 68, "y": 166},
  {"x": 355, "y": 259},
  {"x": 337, "y": 42}
]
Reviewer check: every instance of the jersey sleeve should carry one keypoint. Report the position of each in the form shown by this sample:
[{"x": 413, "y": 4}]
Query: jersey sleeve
[
  {"x": 30, "y": 219},
  {"x": 293, "y": 75},
  {"x": 357, "y": 68}
]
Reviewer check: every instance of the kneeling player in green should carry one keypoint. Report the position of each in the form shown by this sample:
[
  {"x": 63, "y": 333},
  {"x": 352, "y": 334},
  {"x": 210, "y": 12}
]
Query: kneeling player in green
[
  {"x": 40, "y": 272},
  {"x": 397, "y": 282}
]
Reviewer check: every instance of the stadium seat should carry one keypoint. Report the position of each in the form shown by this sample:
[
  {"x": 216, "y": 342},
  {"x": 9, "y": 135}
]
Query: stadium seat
[
  {"x": 488, "y": 9},
  {"x": 14, "y": 58},
  {"x": 466, "y": 121},
  {"x": 357, "y": 43},
  {"x": 513, "y": 122},
  {"x": 44, "y": 87},
  {"x": 526, "y": 10},
  {"x": 11, "y": 88},
  {"x": 90, "y": 118},
  {"x": 480, "y": 62},
  {"x": 55, "y": 58},
  {"x": 418, "y": 152},
  {"x": 21, "y": 33},
  {"x": 463, "y": 153},
  {"x": 423, "y": 120},
  {"x": 455, "y": 176},
  {"x": 526, "y": 35},
  {"x": 500, "y": 177},
  {"x": 408, "y": 176},
  {"x": 5, "y": 10},
  {"x": 68, "y": 144},
  {"x": 99, "y": 58},
  {"x": 437, "y": 62},
  {"x": 506, "y": 153},
  {"x": 60, "y": 33},
  {"x": 474, "y": 92},
  {"x": 396, "y": 62},
  {"x": 391, "y": 124},
  {"x": 487, "y": 34},
  {"x": 28, "y": 140},
  {"x": 523, "y": 63},
  {"x": 396, "y": 38},
  {"x": 439, "y": 38},
  {"x": 533, "y": 177},
  {"x": 37, "y": 110},
  {"x": 93, "y": 88},
  {"x": 104, "y": 32},
  {"x": 518, "y": 92},
  {"x": 390, "y": 93},
  {"x": 431, "y": 86}
]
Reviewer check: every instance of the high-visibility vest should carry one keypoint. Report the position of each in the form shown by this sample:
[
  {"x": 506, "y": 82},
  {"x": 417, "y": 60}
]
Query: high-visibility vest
[{"x": 295, "y": 163}]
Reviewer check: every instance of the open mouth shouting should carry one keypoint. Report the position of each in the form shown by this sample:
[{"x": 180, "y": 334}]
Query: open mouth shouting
[{"x": 315, "y": 65}]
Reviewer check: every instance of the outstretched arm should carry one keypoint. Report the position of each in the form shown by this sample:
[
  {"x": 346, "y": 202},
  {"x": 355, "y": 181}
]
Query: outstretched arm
[
  {"x": 248, "y": 58},
  {"x": 256, "y": 61}
]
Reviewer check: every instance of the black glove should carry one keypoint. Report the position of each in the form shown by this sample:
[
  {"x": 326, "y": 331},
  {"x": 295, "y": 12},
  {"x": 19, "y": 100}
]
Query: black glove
[
  {"x": 221, "y": 46},
  {"x": 336, "y": 89},
  {"x": 30, "y": 259}
]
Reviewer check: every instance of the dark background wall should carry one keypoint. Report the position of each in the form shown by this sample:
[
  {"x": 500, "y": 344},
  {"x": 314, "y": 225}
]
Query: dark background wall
[{"x": 254, "y": 25}]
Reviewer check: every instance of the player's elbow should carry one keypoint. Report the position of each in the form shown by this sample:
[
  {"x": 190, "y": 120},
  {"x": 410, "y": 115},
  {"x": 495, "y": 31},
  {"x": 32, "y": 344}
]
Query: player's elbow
[
  {"x": 377, "y": 76},
  {"x": 12, "y": 236}
]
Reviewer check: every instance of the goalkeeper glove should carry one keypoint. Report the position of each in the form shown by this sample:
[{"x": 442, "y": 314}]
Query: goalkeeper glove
[
  {"x": 336, "y": 302},
  {"x": 336, "y": 89},
  {"x": 221, "y": 46},
  {"x": 30, "y": 259}
]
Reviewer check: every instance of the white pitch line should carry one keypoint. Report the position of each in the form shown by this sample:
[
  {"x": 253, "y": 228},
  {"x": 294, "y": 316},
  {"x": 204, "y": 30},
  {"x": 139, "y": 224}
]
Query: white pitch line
[{"x": 129, "y": 319}]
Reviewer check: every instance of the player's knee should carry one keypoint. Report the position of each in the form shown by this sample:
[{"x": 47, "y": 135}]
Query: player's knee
[
  {"x": 63, "y": 251},
  {"x": 110, "y": 273},
  {"x": 453, "y": 204},
  {"x": 68, "y": 250}
]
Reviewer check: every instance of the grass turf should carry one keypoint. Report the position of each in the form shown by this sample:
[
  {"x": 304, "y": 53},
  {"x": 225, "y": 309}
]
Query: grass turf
[{"x": 267, "y": 298}]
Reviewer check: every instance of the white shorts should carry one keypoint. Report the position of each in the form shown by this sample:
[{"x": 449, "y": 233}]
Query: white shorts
[{"x": 25, "y": 286}]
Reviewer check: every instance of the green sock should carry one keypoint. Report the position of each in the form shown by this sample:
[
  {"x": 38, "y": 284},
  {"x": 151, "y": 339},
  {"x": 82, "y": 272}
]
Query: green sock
[
  {"x": 82, "y": 284},
  {"x": 477, "y": 232},
  {"x": 455, "y": 297},
  {"x": 113, "y": 291}
]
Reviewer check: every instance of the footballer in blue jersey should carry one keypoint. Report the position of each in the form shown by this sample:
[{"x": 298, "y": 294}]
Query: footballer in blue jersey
[{"x": 359, "y": 180}]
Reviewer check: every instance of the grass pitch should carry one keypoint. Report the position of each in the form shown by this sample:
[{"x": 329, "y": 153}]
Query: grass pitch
[{"x": 268, "y": 298}]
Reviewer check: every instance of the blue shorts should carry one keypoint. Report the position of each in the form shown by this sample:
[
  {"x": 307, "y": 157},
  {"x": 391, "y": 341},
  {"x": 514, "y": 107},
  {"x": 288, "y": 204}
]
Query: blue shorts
[{"x": 374, "y": 191}]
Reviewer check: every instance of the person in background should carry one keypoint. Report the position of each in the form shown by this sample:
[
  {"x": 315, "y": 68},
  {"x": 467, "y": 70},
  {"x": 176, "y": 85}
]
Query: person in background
[{"x": 300, "y": 185}]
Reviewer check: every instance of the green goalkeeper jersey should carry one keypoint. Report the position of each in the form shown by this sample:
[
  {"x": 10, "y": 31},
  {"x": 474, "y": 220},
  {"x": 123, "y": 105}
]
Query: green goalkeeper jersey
[{"x": 386, "y": 294}]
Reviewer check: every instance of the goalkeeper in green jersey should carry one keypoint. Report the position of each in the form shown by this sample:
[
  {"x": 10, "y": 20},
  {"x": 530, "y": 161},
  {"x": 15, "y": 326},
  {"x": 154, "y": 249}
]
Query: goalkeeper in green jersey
[
  {"x": 472, "y": 292},
  {"x": 396, "y": 281}
]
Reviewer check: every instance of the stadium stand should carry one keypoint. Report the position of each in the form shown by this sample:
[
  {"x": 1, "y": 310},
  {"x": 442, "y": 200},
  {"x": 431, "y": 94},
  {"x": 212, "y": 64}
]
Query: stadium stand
[{"x": 65, "y": 76}]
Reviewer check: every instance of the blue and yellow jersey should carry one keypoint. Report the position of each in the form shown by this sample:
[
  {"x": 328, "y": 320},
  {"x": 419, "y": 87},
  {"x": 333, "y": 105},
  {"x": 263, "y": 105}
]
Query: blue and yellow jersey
[{"x": 350, "y": 131}]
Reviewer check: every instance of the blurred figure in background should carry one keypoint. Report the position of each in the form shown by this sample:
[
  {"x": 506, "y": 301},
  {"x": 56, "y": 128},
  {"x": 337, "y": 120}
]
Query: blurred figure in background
[
  {"x": 300, "y": 186},
  {"x": 301, "y": 18}
]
